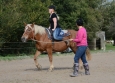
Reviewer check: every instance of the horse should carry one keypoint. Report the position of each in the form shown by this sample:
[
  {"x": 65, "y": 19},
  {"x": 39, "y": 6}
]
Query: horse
[{"x": 43, "y": 43}]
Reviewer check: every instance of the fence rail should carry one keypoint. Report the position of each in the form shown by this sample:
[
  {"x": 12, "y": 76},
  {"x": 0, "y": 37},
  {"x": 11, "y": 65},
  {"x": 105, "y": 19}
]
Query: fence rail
[{"x": 32, "y": 44}]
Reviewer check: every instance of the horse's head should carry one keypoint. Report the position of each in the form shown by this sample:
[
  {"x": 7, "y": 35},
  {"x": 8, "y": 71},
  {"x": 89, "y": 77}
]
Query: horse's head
[{"x": 28, "y": 32}]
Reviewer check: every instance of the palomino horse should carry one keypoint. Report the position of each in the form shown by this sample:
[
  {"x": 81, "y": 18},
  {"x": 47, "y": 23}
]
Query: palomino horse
[{"x": 43, "y": 43}]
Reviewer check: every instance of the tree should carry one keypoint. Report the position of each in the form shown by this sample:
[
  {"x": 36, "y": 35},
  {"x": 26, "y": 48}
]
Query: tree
[
  {"x": 70, "y": 10},
  {"x": 97, "y": 15},
  {"x": 14, "y": 13}
]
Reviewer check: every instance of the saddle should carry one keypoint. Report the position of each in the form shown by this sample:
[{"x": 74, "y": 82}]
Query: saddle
[
  {"x": 50, "y": 34},
  {"x": 63, "y": 32}
]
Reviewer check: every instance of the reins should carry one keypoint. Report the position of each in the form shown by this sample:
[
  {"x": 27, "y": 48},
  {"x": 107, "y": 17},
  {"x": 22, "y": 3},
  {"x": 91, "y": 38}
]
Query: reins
[
  {"x": 49, "y": 42},
  {"x": 43, "y": 41}
]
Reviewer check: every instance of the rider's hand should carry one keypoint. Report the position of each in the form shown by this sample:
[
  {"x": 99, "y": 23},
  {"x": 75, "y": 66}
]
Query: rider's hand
[{"x": 53, "y": 29}]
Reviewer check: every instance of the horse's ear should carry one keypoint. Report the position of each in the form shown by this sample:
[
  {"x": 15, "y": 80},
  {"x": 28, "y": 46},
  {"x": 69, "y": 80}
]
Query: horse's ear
[
  {"x": 33, "y": 24},
  {"x": 25, "y": 24}
]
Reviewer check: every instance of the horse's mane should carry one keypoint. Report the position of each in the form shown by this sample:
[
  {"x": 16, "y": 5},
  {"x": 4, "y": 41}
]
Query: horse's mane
[{"x": 39, "y": 29}]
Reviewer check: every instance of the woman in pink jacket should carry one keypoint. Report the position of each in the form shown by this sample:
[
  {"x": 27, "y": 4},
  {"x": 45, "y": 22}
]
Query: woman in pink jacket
[{"x": 81, "y": 42}]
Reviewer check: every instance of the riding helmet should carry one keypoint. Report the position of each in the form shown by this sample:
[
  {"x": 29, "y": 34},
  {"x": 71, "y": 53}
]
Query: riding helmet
[{"x": 52, "y": 7}]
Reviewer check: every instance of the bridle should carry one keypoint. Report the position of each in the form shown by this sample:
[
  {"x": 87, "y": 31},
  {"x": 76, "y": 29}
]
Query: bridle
[
  {"x": 33, "y": 33},
  {"x": 32, "y": 30}
]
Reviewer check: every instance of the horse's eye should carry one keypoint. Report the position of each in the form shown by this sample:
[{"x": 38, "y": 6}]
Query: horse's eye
[{"x": 29, "y": 30}]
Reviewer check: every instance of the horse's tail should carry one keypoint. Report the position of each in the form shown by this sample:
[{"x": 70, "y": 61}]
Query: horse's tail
[{"x": 88, "y": 54}]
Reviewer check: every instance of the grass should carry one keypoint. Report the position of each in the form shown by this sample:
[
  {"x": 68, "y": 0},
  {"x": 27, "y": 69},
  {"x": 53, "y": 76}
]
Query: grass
[
  {"x": 109, "y": 48},
  {"x": 24, "y": 56},
  {"x": 9, "y": 58}
]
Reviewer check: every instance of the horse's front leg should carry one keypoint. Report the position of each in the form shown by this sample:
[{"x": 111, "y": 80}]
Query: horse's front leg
[
  {"x": 35, "y": 59},
  {"x": 49, "y": 51}
]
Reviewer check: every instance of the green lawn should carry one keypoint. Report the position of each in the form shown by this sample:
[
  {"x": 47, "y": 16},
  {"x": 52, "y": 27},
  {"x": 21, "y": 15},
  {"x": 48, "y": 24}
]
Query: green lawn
[
  {"x": 24, "y": 56},
  {"x": 110, "y": 47},
  {"x": 9, "y": 58}
]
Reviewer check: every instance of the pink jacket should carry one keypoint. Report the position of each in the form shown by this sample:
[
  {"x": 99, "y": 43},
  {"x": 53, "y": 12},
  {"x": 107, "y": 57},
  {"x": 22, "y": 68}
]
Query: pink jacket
[{"x": 81, "y": 37}]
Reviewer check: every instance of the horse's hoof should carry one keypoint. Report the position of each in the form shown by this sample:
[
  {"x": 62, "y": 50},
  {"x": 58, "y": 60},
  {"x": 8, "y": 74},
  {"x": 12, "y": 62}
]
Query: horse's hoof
[
  {"x": 39, "y": 67},
  {"x": 50, "y": 69}
]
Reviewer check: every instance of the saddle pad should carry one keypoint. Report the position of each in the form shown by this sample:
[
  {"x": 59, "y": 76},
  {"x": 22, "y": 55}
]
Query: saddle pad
[{"x": 65, "y": 31}]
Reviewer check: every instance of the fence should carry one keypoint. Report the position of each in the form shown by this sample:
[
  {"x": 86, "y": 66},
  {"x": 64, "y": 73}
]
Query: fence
[{"x": 18, "y": 48}]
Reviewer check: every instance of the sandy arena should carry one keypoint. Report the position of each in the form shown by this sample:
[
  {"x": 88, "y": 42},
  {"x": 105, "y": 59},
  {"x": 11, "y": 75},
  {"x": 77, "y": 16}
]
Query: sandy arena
[{"x": 102, "y": 69}]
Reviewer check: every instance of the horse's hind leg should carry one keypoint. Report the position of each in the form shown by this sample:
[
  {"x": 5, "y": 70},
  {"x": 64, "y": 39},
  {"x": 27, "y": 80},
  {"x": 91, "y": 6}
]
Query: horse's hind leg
[
  {"x": 49, "y": 51},
  {"x": 88, "y": 54},
  {"x": 35, "y": 59},
  {"x": 80, "y": 64}
]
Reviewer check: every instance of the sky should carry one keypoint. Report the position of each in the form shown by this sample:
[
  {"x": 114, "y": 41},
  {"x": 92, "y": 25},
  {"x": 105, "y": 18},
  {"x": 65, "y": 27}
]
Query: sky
[{"x": 110, "y": 0}]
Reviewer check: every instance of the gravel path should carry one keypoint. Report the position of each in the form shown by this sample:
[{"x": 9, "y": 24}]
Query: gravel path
[{"x": 102, "y": 69}]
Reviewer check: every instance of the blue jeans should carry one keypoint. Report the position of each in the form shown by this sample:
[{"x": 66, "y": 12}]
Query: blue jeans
[
  {"x": 80, "y": 53},
  {"x": 56, "y": 34}
]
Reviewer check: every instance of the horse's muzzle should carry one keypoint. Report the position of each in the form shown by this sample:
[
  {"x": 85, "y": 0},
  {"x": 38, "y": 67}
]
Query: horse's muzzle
[{"x": 23, "y": 39}]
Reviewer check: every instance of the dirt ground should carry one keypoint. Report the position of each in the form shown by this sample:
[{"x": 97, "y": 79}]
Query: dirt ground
[{"x": 102, "y": 69}]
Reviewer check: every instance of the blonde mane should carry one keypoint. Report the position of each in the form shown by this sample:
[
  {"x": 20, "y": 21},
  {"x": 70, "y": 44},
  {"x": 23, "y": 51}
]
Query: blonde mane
[{"x": 39, "y": 29}]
